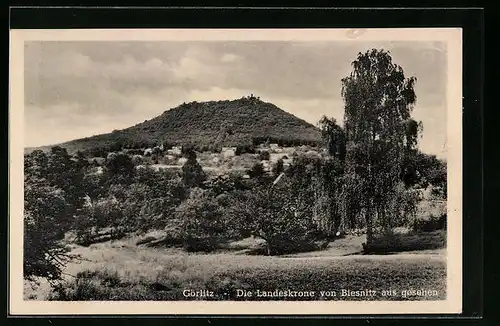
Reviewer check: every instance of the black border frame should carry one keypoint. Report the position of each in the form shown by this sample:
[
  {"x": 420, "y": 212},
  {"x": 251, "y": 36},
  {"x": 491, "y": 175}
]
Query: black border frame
[{"x": 471, "y": 20}]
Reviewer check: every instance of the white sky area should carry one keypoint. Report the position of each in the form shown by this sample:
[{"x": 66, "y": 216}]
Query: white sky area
[{"x": 80, "y": 89}]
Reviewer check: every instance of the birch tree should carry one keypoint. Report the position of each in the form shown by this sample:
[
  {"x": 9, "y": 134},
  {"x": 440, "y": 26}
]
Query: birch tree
[{"x": 378, "y": 103}]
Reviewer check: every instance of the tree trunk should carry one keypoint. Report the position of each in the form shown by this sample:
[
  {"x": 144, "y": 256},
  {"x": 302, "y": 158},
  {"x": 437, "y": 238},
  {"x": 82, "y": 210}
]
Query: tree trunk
[
  {"x": 369, "y": 224},
  {"x": 337, "y": 219}
]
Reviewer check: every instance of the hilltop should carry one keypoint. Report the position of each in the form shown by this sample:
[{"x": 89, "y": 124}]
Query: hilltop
[{"x": 239, "y": 122}]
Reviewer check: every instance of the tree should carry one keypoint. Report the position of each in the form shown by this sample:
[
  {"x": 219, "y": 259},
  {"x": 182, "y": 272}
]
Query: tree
[
  {"x": 45, "y": 222},
  {"x": 378, "y": 102},
  {"x": 264, "y": 156},
  {"x": 257, "y": 170},
  {"x": 119, "y": 167},
  {"x": 192, "y": 172},
  {"x": 53, "y": 194},
  {"x": 200, "y": 219},
  {"x": 277, "y": 214},
  {"x": 333, "y": 137},
  {"x": 320, "y": 182},
  {"x": 279, "y": 167},
  {"x": 65, "y": 172}
]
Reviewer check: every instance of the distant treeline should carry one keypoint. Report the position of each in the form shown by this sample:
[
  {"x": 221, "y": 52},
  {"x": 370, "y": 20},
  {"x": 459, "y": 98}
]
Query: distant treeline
[{"x": 101, "y": 150}]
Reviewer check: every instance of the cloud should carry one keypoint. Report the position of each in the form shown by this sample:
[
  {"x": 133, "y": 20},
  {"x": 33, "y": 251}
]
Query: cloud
[{"x": 230, "y": 57}]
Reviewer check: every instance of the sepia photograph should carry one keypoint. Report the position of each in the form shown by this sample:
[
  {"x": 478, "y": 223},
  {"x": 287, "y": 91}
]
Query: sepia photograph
[{"x": 235, "y": 171}]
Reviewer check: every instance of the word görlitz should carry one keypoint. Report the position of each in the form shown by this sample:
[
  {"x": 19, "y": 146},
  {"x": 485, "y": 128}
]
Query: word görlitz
[{"x": 198, "y": 293}]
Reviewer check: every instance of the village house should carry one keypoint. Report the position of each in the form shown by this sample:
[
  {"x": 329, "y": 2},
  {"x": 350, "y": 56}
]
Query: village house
[
  {"x": 176, "y": 150},
  {"x": 228, "y": 152},
  {"x": 289, "y": 150},
  {"x": 311, "y": 153},
  {"x": 273, "y": 146}
]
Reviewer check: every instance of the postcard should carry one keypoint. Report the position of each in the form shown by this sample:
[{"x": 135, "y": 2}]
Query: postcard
[{"x": 235, "y": 172}]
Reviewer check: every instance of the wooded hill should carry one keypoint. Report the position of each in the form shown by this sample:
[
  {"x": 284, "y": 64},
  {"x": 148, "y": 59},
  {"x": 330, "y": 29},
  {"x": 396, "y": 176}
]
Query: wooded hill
[{"x": 208, "y": 125}]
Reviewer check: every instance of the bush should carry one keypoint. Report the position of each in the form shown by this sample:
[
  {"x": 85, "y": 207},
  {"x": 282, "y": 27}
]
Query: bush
[
  {"x": 393, "y": 242},
  {"x": 192, "y": 172},
  {"x": 264, "y": 156},
  {"x": 257, "y": 170},
  {"x": 120, "y": 167},
  {"x": 432, "y": 224},
  {"x": 279, "y": 218}
]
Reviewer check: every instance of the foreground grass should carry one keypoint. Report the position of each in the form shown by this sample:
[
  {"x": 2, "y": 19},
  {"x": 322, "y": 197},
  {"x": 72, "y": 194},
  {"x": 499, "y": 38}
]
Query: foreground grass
[{"x": 134, "y": 273}]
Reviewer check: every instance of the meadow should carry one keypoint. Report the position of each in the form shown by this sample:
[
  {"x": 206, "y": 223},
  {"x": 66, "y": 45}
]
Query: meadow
[{"x": 121, "y": 270}]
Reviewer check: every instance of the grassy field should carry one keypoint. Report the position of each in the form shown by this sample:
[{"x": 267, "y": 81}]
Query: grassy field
[{"x": 123, "y": 271}]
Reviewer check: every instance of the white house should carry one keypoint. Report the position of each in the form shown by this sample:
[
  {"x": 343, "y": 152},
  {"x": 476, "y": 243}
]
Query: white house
[
  {"x": 176, "y": 150},
  {"x": 289, "y": 150},
  {"x": 228, "y": 152},
  {"x": 312, "y": 154}
]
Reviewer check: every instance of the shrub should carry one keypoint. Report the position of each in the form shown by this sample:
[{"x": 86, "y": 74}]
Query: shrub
[
  {"x": 279, "y": 218},
  {"x": 257, "y": 170},
  {"x": 393, "y": 242},
  {"x": 120, "y": 167},
  {"x": 264, "y": 156},
  {"x": 192, "y": 172},
  {"x": 428, "y": 225},
  {"x": 87, "y": 285}
]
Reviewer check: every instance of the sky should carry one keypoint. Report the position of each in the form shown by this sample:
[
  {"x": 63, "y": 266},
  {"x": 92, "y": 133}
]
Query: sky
[{"x": 84, "y": 88}]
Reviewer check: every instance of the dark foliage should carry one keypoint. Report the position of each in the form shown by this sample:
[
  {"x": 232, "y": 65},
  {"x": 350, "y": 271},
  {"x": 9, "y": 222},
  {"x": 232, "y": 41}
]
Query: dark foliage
[
  {"x": 264, "y": 156},
  {"x": 387, "y": 243},
  {"x": 428, "y": 225},
  {"x": 279, "y": 167},
  {"x": 120, "y": 166},
  {"x": 333, "y": 137},
  {"x": 192, "y": 172},
  {"x": 53, "y": 193},
  {"x": 256, "y": 171}
]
